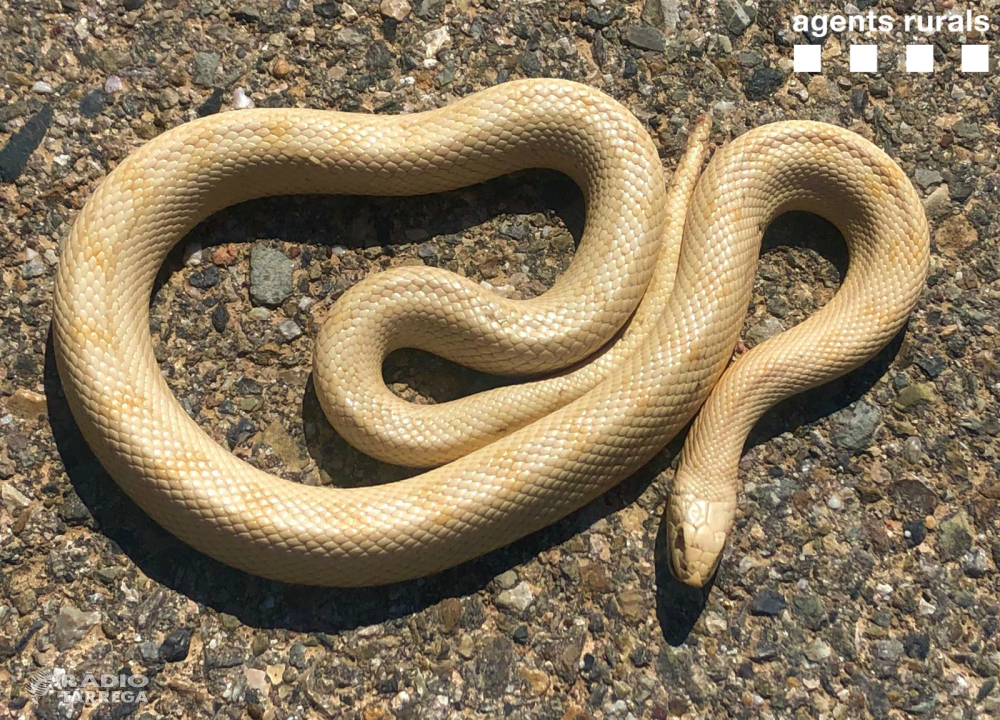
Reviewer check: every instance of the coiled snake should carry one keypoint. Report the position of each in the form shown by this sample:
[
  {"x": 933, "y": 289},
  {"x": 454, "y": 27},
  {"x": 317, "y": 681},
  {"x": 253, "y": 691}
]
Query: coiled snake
[{"x": 518, "y": 457}]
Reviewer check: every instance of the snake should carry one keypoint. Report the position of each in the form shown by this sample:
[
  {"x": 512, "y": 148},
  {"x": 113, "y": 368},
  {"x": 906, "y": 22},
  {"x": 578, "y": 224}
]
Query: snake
[{"x": 632, "y": 344}]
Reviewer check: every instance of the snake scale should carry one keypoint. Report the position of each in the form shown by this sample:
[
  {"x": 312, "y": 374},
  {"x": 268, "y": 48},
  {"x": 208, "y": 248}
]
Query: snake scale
[{"x": 655, "y": 297}]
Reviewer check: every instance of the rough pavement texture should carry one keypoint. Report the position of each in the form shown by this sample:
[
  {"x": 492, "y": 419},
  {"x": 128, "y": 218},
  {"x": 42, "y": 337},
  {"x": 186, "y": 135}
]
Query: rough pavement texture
[{"x": 862, "y": 581}]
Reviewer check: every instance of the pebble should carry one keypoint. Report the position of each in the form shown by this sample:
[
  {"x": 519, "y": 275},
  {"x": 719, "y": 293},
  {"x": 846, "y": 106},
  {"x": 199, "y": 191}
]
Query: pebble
[
  {"x": 398, "y": 10},
  {"x": 280, "y": 67},
  {"x": 113, "y": 85},
  {"x": 887, "y": 650},
  {"x": 256, "y": 680},
  {"x": 518, "y": 598},
  {"x": 434, "y": 42},
  {"x": 289, "y": 330},
  {"x": 926, "y": 178},
  {"x": 737, "y": 16},
  {"x": 176, "y": 644},
  {"x": 42, "y": 88},
  {"x": 768, "y": 603},
  {"x": 810, "y": 610},
  {"x": 953, "y": 539},
  {"x": 974, "y": 563},
  {"x": 938, "y": 202},
  {"x": 32, "y": 269},
  {"x": 71, "y": 625},
  {"x": 204, "y": 67},
  {"x": 913, "y": 451},
  {"x": 662, "y": 14},
  {"x": 762, "y": 83},
  {"x": 818, "y": 650},
  {"x": 205, "y": 278},
  {"x": 914, "y": 396},
  {"x": 506, "y": 579},
  {"x": 430, "y": 9},
  {"x": 852, "y": 427},
  {"x": 270, "y": 276},
  {"x": 241, "y": 101},
  {"x": 220, "y": 317},
  {"x": 13, "y": 498},
  {"x": 645, "y": 38},
  {"x": 761, "y": 331}
]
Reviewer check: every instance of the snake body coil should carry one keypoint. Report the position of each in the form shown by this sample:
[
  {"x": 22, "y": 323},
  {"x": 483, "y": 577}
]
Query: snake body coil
[{"x": 518, "y": 457}]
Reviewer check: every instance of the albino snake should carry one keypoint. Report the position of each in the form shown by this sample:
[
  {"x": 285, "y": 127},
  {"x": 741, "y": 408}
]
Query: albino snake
[{"x": 519, "y": 457}]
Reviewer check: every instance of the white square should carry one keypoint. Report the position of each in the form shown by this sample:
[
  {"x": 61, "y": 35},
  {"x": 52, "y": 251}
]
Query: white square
[
  {"x": 919, "y": 58},
  {"x": 864, "y": 58},
  {"x": 807, "y": 58},
  {"x": 975, "y": 58}
]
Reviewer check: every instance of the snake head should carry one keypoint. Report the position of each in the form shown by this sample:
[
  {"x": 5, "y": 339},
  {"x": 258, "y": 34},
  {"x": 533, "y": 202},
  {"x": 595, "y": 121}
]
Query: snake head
[{"x": 696, "y": 536}]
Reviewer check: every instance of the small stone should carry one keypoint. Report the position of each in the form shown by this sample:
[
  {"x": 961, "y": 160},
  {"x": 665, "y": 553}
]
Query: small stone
[
  {"x": 915, "y": 532},
  {"x": 206, "y": 278},
  {"x": 241, "y": 101},
  {"x": 205, "y": 65},
  {"x": 853, "y": 426},
  {"x": 297, "y": 656},
  {"x": 176, "y": 644},
  {"x": 270, "y": 276},
  {"x": 529, "y": 63},
  {"x": 810, "y": 610},
  {"x": 328, "y": 10},
  {"x": 449, "y": 614},
  {"x": 398, "y": 10},
  {"x": 917, "y": 645},
  {"x": 518, "y": 598},
  {"x": 768, "y": 603},
  {"x": 761, "y": 331},
  {"x": 914, "y": 396},
  {"x": 966, "y": 130},
  {"x": 42, "y": 88},
  {"x": 280, "y": 67},
  {"x": 644, "y": 38},
  {"x": 661, "y": 13},
  {"x": 92, "y": 104},
  {"x": 506, "y": 579},
  {"x": 974, "y": 563},
  {"x": 113, "y": 85},
  {"x": 937, "y": 203},
  {"x": 925, "y": 178},
  {"x": 240, "y": 432},
  {"x": 289, "y": 330},
  {"x": 256, "y": 680},
  {"x": 430, "y": 9},
  {"x": 737, "y": 16},
  {"x": 887, "y": 650},
  {"x": 762, "y": 83},
  {"x": 220, "y": 318},
  {"x": 71, "y": 625},
  {"x": 912, "y": 498},
  {"x": 953, "y": 539},
  {"x": 859, "y": 100},
  {"x": 536, "y": 680},
  {"x": 13, "y": 498},
  {"x": 32, "y": 269},
  {"x": 818, "y": 650}
]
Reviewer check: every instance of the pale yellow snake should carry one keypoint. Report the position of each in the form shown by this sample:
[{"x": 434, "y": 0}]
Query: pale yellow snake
[{"x": 519, "y": 457}]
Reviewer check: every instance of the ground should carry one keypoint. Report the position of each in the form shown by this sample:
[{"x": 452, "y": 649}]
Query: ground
[{"x": 862, "y": 578}]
